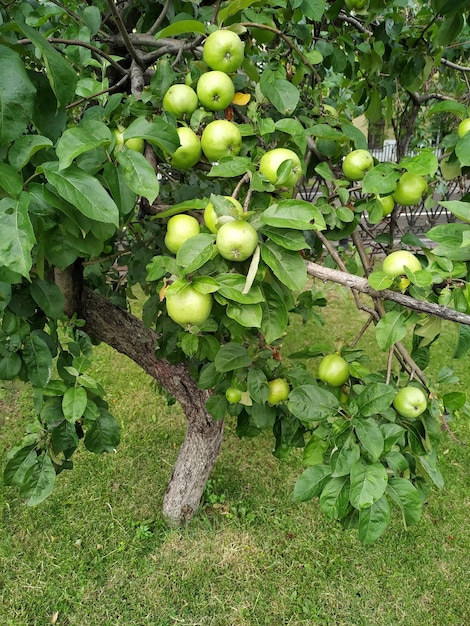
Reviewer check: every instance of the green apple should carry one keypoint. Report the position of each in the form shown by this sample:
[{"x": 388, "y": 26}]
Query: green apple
[
  {"x": 215, "y": 90},
  {"x": 188, "y": 306},
  {"x": 236, "y": 240},
  {"x": 394, "y": 264},
  {"x": 214, "y": 221},
  {"x": 233, "y": 395},
  {"x": 271, "y": 161},
  {"x": 410, "y": 402},
  {"x": 278, "y": 390},
  {"x": 333, "y": 370},
  {"x": 223, "y": 51},
  {"x": 134, "y": 143},
  {"x": 189, "y": 152},
  {"x": 219, "y": 139},
  {"x": 356, "y": 164},
  {"x": 388, "y": 204},
  {"x": 464, "y": 127},
  {"x": 179, "y": 229},
  {"x": 180, "y": 100},
  {"x": 410, "y": 189},
  {"x": 450, "y": 169}
]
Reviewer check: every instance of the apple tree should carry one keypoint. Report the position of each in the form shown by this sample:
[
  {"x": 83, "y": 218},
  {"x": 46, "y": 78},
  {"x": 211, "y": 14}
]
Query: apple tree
[{"x": 159, "y": 150}]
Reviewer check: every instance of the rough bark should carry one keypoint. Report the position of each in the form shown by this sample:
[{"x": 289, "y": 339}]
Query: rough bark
[{"x": 198, "y": 454}]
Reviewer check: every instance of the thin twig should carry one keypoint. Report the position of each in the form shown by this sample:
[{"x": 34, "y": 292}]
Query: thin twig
[
  {"x": 123, "y": 32},
  {"x": 155, "y": 26}
]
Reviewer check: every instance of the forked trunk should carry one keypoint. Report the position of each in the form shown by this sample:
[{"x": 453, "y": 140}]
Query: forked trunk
[{"x": 198, "y": 454}]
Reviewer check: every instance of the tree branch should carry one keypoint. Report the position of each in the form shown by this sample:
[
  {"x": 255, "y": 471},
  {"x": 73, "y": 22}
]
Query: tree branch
[{"x": 361, "y": 284}]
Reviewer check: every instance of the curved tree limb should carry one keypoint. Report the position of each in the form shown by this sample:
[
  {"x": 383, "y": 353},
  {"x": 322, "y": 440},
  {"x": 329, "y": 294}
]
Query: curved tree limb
[{"x": 360, "y": 284}]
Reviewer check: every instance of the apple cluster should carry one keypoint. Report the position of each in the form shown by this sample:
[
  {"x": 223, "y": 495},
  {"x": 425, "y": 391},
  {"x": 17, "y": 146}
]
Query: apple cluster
[{"x": 223, "y": 53}]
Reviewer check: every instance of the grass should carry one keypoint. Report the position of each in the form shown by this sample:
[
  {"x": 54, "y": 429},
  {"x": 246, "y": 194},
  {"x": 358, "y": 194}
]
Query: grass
[{"x": 97, "y": 552}]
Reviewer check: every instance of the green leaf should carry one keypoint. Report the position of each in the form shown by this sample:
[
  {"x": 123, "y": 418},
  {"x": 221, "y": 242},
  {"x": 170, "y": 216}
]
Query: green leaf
[
  {"x": 314, "y": 451},
  {"x": 38, "y": 360},
  {"x": 195, "y": 252},
  {"x": 62, "y": 77},
  {"x": 17, "y": 465},
  {"x": 17, "y": 95},
  {"x": 83, "y": 191},
  {"x": 10, "y": 180},
  {"x": 314, "y": 9},
  {"x": 375, "y": 398},
  {"x": 257, "y": 385},
  {"x": 232, "y": 356},
  {"x": 74, "y": 403},
  {"x": 429, "y": 464},
  {"x": 382, "y": 179},
  {"x": 347, "y": 457},
  {"x": 379, "y": 280},
  {"x": 26, "y": 147},
  {"x": 334, "y": 499},
  {"x": 463, "y": 345},
  {"x": 181, "y": 27},
  {"x": 217, "y": 406},
  {"x": 403, "y": 493},
  {"x": 286, "y": 238},
  {"x": 449, "y": 106},
  {"x": 458, "y": 208},
  {"x": 158, "y": 132},
  {"x": 64, "y": 438},
  {"x": 311, "y": 482},
  {"x": 310, "y": 403},
  {"x": 262, "y": 416},
  {"x": 462, "y": 150},
  {"x": 370, "y": 436},
  {"x": 17, "y": 235},
  {"x": 76, "y": 141},
  {"x": 103, "y": 435},
  {"x": 38, "y": 481},
  {"x": 295, "y": 129},
  {"x": 288, "y": 266},
  {"x": 368, "y": 483},
  {"x": 284, "y": 96},
  {"x": 275, "y": 314},
  {"x": 230, "y": 167},
  {"x": 248, "y": 315},
  {"x": 138, "y": 174},
  {"x": 296, "y": 214},
  {"x": 10, "y": 366},
  {"x": 373, "y": 521},
  {"x": 232, "y": 8},
  {"x": 390, "y": 329},
  {"x": 48, "y": 297},
  {"x": 231, "y": 286},
  {"x": 424, "y": 163}
]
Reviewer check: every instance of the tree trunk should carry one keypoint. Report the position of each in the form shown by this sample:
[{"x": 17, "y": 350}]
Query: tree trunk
[{"x": 198, "y": 454}]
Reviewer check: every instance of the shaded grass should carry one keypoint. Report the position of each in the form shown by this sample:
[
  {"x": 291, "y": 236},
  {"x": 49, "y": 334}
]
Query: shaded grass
[{"x": 97, "y": 551}]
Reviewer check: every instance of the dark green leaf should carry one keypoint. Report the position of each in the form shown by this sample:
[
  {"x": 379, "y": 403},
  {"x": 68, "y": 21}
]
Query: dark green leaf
[
  {"x": 82, "y": 191},
  {"x": 390, "y": 329},
  {"x": 232, "y": 356},
  {"x": 368, "y": 483},
  {"x": 48, "y": 297},
  {"x": 17, "y": 95},
  {"x": 373, "y": 521},
  {"x": 38, "y": 360},
  {"x": 375, "y": 398},
  {"x": 310, "y": 403},
  {"x": 348, "y": 455},
  {"x": 334, "y": 499},
  {"x": 311, "y": 482},
  {"x": 38, "y": 481},
  {"x": 138, "y": 173},
  {"x": 408, "y": 499},
  {"x": 17, "y": 465},
  {"x": 103, "y": 435},
  {"x": 17, "y": 235},
  {"x": 62, "y": 77},
  {"x": 158, "y": 132},
  {"x": 370, "y": 436},
  {"x": 195, "y": 252},
  {"x": 296, "y": 214},
  {"x": 287, "y": 266}
]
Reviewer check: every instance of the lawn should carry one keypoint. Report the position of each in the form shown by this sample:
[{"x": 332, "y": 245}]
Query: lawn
[{"x": 97, "y": 552}]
